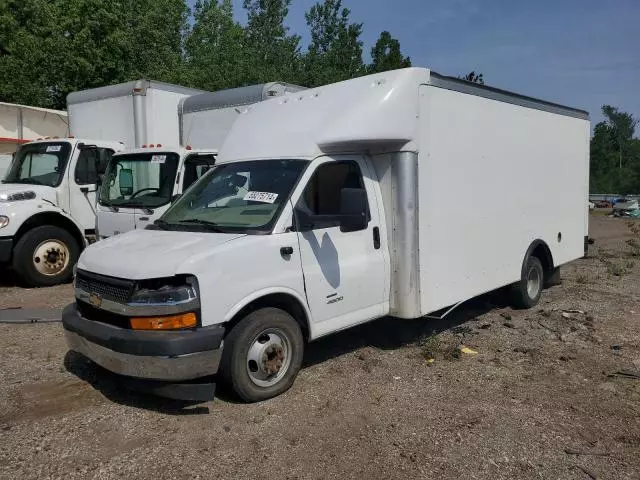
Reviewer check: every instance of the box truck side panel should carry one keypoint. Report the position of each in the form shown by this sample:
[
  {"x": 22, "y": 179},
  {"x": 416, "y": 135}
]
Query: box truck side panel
[
  {"x": 109, "y": 119},
  {"x": 208, "y": 128},
  {"x": 493, "y": 178},
  {"x": 162, "y": 116}
]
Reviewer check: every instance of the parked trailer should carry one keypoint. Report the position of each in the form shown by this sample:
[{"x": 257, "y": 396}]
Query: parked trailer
[
  {"x": 160, "y": 173},
  {"x": 48, "y": 197},
  {"x": 339, "y": 221}
]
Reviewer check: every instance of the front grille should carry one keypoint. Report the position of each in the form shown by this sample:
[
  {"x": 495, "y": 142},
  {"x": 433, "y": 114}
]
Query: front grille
[
  {"x": 109, "y": 288},
  {"x": 97, "y": 315}
]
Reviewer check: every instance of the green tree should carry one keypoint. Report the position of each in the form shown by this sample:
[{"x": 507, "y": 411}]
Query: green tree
[
  {"x": 52, "y": 48},
  {"x": 335, "y": 51},
  {"x": 473, "y": 77},
  {"x": 272, "y": 53},
  {"x": 214, "y": 54},
  {"x": 386, "y": 55},
  {"x": 615, "y": 154}
]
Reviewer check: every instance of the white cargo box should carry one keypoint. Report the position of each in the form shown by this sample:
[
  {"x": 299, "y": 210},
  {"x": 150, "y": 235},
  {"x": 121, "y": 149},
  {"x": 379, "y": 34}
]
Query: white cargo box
[
  {"x": 135, "y": 113},
  {"x": 470, "y": 176},
  {"x": 206, "y": 119}
]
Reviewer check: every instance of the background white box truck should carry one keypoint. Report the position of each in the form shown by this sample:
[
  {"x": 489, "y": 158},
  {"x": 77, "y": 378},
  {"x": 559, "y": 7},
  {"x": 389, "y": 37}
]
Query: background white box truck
[
  {"x": 140, "y": 185},
  {"x": 48, "y": 197},
  {"x": 351, "y": 202}
]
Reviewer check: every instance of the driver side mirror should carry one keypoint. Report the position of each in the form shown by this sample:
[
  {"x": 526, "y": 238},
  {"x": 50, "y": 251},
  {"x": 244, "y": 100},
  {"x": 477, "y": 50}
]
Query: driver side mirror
[
  {"x": 353, "y": 209},
  {"x": 125, "y": 181}
]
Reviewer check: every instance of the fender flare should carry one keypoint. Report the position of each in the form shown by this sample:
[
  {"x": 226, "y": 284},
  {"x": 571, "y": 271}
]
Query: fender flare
[
  {"x": 39, "y": 218},
  {"x": 257, "y": 295}
]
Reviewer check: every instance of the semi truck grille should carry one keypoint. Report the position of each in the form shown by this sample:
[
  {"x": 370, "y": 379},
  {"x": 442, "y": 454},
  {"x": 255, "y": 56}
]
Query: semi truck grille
[{"x": 114, "y": 289}]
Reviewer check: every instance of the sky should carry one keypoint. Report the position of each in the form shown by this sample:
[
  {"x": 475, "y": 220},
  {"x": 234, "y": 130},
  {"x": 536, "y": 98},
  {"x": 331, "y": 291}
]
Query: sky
[{"x": 581, "y": 53}]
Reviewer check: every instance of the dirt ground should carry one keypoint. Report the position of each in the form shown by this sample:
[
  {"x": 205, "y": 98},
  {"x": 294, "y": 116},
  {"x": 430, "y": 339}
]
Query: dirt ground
[{"x": 550, "y": 394}]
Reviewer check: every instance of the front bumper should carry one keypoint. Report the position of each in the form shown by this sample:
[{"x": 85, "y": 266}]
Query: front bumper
[
  {"x": 168, "y": 356},
  {"x": 6, "y": 247}
]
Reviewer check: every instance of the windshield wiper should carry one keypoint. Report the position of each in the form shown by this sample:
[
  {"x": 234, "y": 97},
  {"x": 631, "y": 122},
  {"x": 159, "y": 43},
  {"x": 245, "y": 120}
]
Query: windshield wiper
[
  {"x": 205, "y": 223},
  {"x": 162, "y": 224},
  {"x": 28, "y": 181}
]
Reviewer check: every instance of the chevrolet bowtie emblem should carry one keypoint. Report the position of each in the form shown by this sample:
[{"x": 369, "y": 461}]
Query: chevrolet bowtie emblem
[{"x": 95, "y": 300}]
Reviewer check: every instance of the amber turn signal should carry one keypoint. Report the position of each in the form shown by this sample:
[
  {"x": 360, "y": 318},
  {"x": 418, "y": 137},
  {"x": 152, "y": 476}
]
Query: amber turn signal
[{"x": 172, "y": 322}]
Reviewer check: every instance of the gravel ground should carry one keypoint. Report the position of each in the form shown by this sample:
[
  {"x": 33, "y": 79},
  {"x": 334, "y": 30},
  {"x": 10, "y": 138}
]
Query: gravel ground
[{"x": 541, "y": 399}]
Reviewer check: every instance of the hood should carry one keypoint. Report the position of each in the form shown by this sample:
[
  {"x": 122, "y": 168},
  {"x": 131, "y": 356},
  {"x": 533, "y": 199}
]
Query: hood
[
  {"x": 43, "y": 192},
  {"x": 141, "y": 254}
]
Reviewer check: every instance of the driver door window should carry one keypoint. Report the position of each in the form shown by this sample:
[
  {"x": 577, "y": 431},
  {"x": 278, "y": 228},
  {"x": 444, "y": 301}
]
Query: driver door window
[{"x": 322, "y": 194}]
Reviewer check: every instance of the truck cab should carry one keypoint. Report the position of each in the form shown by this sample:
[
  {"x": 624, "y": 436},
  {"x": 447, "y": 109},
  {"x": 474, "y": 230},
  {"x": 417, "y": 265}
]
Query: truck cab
[
  {"x": 47, "y": 206},
  {"x": 140, "y": 184}
]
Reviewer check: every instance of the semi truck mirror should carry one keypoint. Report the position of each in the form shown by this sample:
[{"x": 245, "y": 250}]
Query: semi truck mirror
[
  {"x": 125, "y": 181},
  {"x": 353, "y": 209}
]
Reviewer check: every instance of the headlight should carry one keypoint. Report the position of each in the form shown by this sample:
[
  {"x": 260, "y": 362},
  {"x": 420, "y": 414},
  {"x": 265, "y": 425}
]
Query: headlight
[
  {"x": 4, "y": 221},
  {"x": 173, "y": 291},
  {"x": 16, "y": 196}
]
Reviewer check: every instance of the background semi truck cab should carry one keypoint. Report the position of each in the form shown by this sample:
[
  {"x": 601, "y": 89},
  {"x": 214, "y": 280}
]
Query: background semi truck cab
[
  {"x": 47, "y": 206},
  {"x": 139, "y": 185}
]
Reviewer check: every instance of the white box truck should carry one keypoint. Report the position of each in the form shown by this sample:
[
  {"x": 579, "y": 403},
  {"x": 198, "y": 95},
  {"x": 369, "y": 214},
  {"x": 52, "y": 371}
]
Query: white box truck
[
  {"x": 351, "y": 202},
  {"x": 141, "y": 184},
  {"x": 48, "y": 197}
]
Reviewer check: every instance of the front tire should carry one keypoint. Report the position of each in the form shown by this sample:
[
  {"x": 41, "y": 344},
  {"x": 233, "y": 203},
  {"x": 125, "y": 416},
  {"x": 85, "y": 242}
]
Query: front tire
[
  {"x": 526, "y": 293},
  {"x": 45, "y": 256},
  {"x": 262, "y": 355}
]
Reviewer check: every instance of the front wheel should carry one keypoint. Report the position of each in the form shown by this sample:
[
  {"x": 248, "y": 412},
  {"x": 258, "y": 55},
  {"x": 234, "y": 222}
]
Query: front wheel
[
  {"x": 526, "y": 293},
  {"x": 262, "y": 354},
  {"x": 45, "y": 256}
]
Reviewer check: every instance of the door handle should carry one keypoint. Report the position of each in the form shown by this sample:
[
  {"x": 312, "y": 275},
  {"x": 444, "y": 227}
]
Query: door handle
[
  {"x": 144, "y": 219},
  {"x": 376, "y": 238},
  {"x": 286, "y": 251}
]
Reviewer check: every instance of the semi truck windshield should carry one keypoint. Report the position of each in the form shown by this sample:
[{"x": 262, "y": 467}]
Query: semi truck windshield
[
  {"x": 40, "y": 164},
  {"x": 143, "y": 180}
]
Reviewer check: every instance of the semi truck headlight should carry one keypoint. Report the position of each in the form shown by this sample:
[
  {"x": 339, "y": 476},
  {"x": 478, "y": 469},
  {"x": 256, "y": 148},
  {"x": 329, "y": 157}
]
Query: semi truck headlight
[{"x": 4, "y": 221}]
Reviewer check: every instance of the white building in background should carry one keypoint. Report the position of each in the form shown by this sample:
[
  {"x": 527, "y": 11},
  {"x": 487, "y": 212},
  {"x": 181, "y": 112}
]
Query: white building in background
[{"x": 20, "y": 124}]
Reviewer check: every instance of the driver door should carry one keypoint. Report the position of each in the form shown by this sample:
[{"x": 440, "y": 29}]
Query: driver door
[
  {"x": 345, "y": 273},
  {"x": 83, "y": 179}
]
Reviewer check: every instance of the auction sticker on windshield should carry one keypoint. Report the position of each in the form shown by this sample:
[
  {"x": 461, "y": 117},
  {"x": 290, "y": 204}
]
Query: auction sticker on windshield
[
  {"x": 158, "y": 158},
  {"x": 54, "y": 148},
  {"x": 264, "y": 197}
]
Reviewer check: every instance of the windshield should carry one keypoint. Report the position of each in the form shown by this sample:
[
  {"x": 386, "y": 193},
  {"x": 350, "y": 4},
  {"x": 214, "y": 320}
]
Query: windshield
[
  {"x": 236, "y": 197},
  {"x": 40, "y": 164},
  {"x": 143, "y": 180}
]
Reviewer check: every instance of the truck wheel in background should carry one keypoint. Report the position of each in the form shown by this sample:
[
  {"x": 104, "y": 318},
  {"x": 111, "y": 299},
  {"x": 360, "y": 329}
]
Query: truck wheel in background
[
  {"x": 526, "y": 293},
  {"x": 262, "y": 354},
  {"x": 45, "y": 256}
]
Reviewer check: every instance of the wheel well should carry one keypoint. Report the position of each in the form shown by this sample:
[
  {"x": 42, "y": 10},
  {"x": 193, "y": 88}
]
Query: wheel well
[
  {"x": 541, "y": 251},
  {"x": 283, "y": 301},
  {"x": 51, "y": 218}
]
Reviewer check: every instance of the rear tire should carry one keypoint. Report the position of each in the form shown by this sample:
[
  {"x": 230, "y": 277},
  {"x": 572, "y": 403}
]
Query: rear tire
[
  {"x": 45, "y": 256},
  {"x": 526, "y": 293},
  {"x": 262, "y": 355}
]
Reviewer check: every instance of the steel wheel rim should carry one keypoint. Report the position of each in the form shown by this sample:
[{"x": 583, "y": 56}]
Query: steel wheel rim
[
  {"x": 51, "y": 257},
  {"x": 533, "y": 282},
  {"x": 269, "y": 357}
]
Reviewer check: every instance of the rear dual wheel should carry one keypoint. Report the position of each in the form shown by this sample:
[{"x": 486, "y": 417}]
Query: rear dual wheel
[{"x": 526, "y": 293}]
